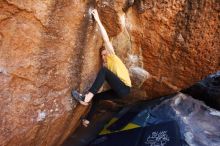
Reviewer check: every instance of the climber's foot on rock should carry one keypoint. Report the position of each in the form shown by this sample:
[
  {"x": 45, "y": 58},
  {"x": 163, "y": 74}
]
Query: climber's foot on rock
[{"x": 79, "y": 97}]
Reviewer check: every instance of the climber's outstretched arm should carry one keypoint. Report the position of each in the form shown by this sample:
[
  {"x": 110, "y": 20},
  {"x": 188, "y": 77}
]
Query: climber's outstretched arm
[{"x": 105, "y": 37}]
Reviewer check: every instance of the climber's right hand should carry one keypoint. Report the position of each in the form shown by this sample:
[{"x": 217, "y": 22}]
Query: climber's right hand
[{"x": 95, "y": 14}]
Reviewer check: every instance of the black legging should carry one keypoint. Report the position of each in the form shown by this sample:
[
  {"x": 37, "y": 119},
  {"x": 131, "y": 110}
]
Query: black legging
[{"x": 118, "y": 89}]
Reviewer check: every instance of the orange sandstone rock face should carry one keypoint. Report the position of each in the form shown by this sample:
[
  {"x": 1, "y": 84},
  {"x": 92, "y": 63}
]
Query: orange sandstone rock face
[{"x": 49, "y": 47}]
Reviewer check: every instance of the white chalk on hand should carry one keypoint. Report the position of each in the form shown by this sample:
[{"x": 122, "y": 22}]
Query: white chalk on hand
[{"x": 90, "y": 11}]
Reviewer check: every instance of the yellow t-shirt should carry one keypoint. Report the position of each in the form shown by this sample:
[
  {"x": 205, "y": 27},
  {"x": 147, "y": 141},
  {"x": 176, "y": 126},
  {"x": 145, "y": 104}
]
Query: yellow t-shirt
[{"x": 115, "y": 65}]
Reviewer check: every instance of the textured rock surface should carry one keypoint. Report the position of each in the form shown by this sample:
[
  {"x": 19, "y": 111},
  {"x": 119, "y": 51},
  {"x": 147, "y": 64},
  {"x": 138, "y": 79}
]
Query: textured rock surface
[{"x": 49, "y": 47}]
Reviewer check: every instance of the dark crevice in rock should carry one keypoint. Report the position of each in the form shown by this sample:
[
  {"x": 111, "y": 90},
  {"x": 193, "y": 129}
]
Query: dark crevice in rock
[{"x": 84, "y": 30}]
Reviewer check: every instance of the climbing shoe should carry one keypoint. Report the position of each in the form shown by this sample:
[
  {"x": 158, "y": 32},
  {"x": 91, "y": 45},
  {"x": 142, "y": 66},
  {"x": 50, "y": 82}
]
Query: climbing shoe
[{"x": 79, "y": 97}]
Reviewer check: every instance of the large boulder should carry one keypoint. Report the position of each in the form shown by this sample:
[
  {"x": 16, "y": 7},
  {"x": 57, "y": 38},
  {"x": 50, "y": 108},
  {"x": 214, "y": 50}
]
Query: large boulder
[{"x": 49, "y": 47}]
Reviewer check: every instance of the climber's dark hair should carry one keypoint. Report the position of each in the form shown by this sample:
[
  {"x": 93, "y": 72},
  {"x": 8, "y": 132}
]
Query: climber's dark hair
[{"x": 101, "y": 49}]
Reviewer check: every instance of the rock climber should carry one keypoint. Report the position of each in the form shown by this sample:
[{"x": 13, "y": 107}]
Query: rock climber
[{"x": 113, "y": 71}]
